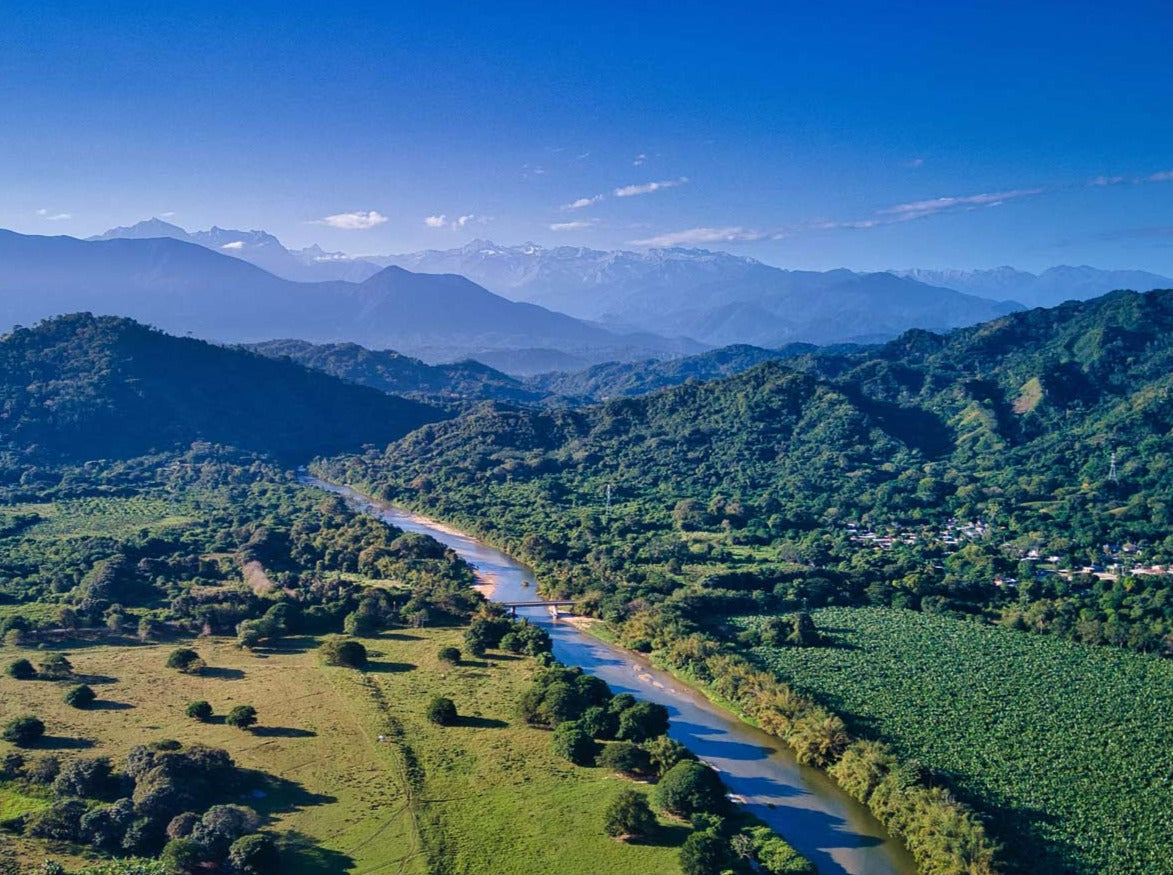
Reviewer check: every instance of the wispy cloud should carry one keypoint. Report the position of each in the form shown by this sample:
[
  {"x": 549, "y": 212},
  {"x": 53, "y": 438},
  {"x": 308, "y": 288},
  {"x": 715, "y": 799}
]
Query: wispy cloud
[
  {"x": 1102, "y": 181},
  {"x": 648, "y": 187},
  {"x": 641, "y": 158},
  {"x": 234, "y": 245},
  {"x": 919, "y": 209},
  {"x": 573, "y": 226},
  {"x": 582, "y": 203},
  {"x": 167, "y": 215},
  {"x": 697, "y": 236},
  {"x": 1163, "y": 176},
  {"x": 359, "y": 220},
  {"x": 54, "y": 217},
  {"x": 915, "y": 163}
]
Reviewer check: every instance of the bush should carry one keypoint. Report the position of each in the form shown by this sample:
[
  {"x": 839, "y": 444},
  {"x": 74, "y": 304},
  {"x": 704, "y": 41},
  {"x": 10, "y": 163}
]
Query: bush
[
  {"x": 43, "y": 770},
  {"x": 24, "y": 731},
  {"x": 182, "y": 855},
  {"x": 201, "y": 711},
  {"x": 60, "y": 821},
  {"x": 88, "y": 777},
  {"x": 775, "y": 856},
  {"x": 185, "y": 660},
  {"x": 255, "y": 854},
  {"x": 22, "y": 670},
  {"x": 703, "y": 854},
  {"x": 242, "y": 716},
  {"x": 442, "y": 711},
  {"x": 56, "y": 668},
  {"x": 80, "y": 696},
  {"x": 690, "y": 787},
  {"x": 343, "y": 652},
  {"x": 629, "y": 815},
  {"x": 626, "y": 757},
  {"x": 449, "y": 655},
  {"x": 571, "y": 743}
]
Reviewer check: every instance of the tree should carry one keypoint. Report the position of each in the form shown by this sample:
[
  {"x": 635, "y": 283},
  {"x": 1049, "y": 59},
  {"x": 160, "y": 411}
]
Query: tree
[
  {"x": 442, "y": 711},
  {"x": 255, "y": 854},
  {"x": 185, "y": 660},
  {"x": 81, "y": 696},
  {"x": 642, "y": 721},
  {"x": 22, "y": 670},
  {"x": 665, "y": 752},
  {"x": 626, "y": 757},
  {"x": 703, "y": 853},
  {"x": 201, "y": 711},
  {"x": 689, "y": 787},
  {"x": 242, "y": 716},
  {"x": 87, "y": 777},
  {"x": 182, "y": 855},
  {"x": 343, "y": 652},
  {"x": 450, "y": 655},
  {"x": 221, "y": 825},
  {"x": 24, "y": 731},
  {"x": 571, "y": 743},
  {"x": 628, "y": 815}
]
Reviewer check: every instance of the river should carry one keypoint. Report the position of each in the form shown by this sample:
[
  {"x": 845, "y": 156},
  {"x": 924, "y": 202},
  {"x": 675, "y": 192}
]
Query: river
[{"x": 801, "y": 804}]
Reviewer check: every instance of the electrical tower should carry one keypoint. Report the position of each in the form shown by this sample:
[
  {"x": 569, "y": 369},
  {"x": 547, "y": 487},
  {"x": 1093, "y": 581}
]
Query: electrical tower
[
  {"x": 1112, "y": 475},
  {"x": 608, "y": 501}
]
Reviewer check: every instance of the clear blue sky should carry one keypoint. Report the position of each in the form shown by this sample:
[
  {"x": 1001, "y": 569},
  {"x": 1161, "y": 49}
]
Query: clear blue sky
[{"x": 866, "y": 135}]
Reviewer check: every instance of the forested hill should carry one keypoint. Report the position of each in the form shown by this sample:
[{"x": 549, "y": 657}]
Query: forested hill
[
  {"x": 1013, "y": 421},
  {"x": 398, "y": 374},
  {"x": 82, "y": 387}
]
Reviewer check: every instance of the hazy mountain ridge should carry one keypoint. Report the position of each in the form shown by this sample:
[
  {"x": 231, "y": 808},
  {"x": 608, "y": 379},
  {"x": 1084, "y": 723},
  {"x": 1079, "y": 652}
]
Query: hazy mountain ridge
[
  {"x": 184, "y": 287},
  {"x": 1047, "y": 289},
  {"x": 713, "y": 296}
]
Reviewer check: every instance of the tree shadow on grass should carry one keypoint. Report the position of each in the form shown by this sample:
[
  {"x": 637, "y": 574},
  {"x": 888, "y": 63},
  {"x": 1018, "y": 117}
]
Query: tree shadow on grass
[
  {"x": 93, "y": 679},
  {"x": 302, "y": 854},
  {"x": 227, "y": 674},
  {"x": 61, "y": 742},
  {"x": 397, "y": 636},
  {"x": 268, "y": 794},
  {"x": 666, "y": 836},
  {"x": 480, "y": 722},
  {"x": 282, "y": 732},
  {"x": 388, "y": 667},
  {"x": 106, "y": 705}
]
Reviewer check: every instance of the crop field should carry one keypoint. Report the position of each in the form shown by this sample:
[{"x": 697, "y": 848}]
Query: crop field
[
  {"x": 103, "y": 516},
  {"x": 337, "y": 749},
  {"x": 1069, "y": 748}
]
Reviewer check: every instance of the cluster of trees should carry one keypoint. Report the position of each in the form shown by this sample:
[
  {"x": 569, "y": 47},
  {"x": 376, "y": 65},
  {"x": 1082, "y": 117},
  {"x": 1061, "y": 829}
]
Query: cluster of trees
[{"x": 163, "y": 801}]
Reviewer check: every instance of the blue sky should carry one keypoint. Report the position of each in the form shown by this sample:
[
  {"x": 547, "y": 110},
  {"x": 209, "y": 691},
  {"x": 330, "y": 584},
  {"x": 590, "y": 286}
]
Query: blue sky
[{"x": 867, "y": 135}]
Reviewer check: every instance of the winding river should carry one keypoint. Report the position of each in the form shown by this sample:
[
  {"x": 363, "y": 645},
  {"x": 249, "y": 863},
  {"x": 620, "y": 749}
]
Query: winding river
[{"x": 802, "y": 804}]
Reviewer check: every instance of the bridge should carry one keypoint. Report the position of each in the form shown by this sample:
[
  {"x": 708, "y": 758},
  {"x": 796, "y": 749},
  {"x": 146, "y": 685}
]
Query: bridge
[{"x": 553, "y": 603}]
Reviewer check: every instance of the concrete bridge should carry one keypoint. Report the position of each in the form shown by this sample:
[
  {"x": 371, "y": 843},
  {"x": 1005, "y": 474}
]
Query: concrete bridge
[{"x": 553, "y": 604}]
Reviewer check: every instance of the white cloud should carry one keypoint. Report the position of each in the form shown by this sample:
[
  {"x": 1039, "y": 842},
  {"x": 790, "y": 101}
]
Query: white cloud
[
  {"x": 54, "y": 217},
  {"x": 436, "y": 221},
  {"x": 639, "y": 159},
  {"x": 573, "y": 226},
  {"x": 441, "y": 221},
  {"x": 582, "y": 202},
  {"x": 167, "y": 215},
  {"x": 696, "y": 236},
  {"x": 918, "y": 209},
  {"x": 359, "y": 220},
  {"x": 1101, "y": 181},
  {"x": 463, "y": 220},
  {"x": 1163, "y": 176},
  {"x": 234, "y": 245},
  {"x": 915, "y": 163},
  {"x": 648, "y": 187}
]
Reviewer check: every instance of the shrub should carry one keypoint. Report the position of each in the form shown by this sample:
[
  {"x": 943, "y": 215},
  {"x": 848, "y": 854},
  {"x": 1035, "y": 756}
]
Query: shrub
[
  {"x": 24, "y": 731},
  {"x": 689, "y": 787},
  {"x": 775, "y": 856},
  {"x": 81, "y": 696},
  {"x": 629, "y": 815},
  {"x": 60, "y": 821},
  {"x": 104, "y": 827},
  {"x": 43, "y": 770},
  {"x": 201, "y": 711},
  {"x": 343, "y": 652},
  {"x": 255, "y": 854},
  {"x": 22, "y": 670},
  {"x": 182, "y": 855},
  {"x": 626, "y": 757},
  {"x": 185, "y": 660},
  {"x": 86, "y": 777},
  {"x": 56, "y": 668},
  {"x": 442, "y": 711},
  {"x": 703, "y": 853},
  {"x": 450, "y": 655},
  {"x": 571, "y": 743},
  {"x": 242, "y": 716}
]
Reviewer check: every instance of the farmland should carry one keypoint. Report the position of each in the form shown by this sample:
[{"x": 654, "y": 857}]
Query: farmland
[{"x": 1068, "y": 748}]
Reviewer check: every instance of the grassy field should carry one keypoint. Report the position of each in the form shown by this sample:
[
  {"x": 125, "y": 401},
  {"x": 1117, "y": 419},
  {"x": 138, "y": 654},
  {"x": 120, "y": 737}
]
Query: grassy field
[
  {"x": 484, "y": 796},
  {"x": 103, "y": 516},
  {"x": 1069, "y": 747}
]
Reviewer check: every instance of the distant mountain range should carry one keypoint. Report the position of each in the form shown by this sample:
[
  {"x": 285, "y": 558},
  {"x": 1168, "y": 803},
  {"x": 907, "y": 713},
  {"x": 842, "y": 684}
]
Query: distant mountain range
[
  {"x": 715, "y": 297},
  {"x": 183, "y": 287},
  {"x": 1053, "y": 286}
]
